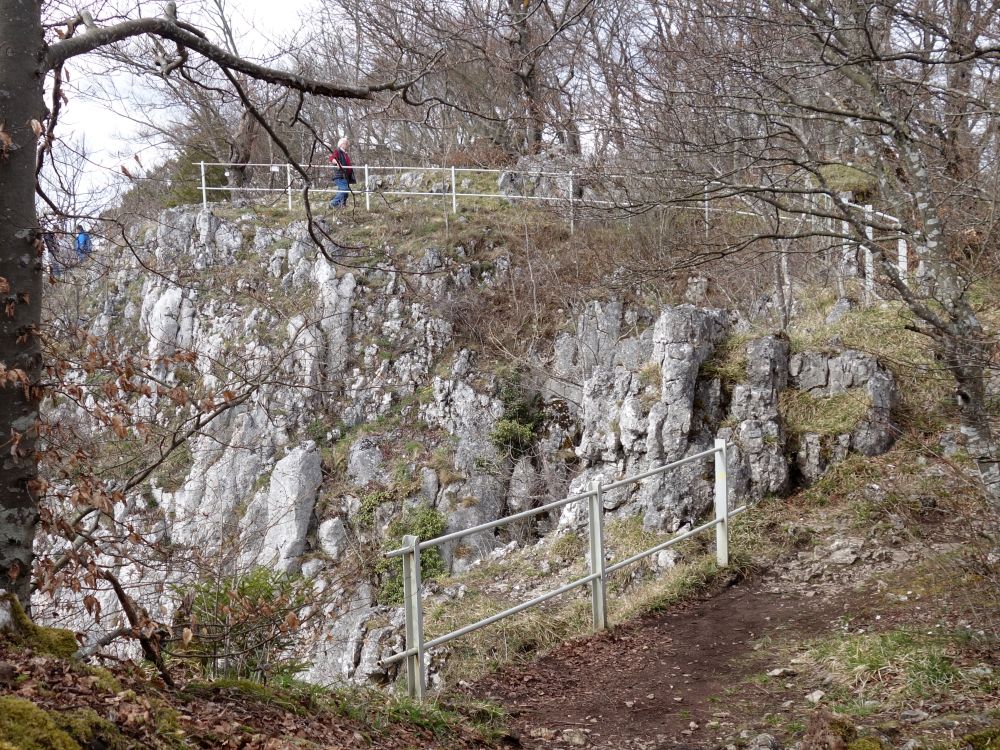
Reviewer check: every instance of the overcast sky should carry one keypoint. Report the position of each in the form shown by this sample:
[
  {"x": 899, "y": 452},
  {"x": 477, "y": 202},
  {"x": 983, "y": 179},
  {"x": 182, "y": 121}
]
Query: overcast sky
[{"x": 104, "y": 127}]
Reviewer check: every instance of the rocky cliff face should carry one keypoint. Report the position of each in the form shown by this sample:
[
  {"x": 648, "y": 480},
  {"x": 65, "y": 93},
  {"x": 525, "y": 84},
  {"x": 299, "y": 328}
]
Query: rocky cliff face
[{"x": 364, "y": 405}]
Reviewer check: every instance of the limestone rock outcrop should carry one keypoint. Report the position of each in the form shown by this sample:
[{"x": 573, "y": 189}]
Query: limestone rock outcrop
[{"x": 364, "y": 406}]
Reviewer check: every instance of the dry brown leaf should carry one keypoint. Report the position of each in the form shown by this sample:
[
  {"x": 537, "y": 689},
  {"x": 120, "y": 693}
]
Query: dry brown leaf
[{"x": 93, "y": 606}]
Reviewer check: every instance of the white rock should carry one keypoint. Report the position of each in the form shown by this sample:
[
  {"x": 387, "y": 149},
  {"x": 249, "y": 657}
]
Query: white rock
[
  {"x": 667, "y": 559},
  {"x": 288, "y": 506},
  {"x": 332, "y": 537},
  {"x": 781, "y": 672}
]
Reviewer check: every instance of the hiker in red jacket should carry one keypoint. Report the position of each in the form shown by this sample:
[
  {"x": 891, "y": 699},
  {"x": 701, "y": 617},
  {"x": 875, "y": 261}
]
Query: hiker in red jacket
[{"x": 343, "y": 174}]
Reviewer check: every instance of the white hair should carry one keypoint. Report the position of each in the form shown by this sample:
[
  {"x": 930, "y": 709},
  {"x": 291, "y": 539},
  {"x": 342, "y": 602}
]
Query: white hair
[{"x": 342, "y": 142}]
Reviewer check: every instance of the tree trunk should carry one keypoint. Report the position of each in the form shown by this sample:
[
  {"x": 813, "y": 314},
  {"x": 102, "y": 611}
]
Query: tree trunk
[
  {"x": 966, "y": 357},
  {"x": 20, "y": 290},
  {"x": 525, "y": 59},
  {"x": 240, "y": 154}
]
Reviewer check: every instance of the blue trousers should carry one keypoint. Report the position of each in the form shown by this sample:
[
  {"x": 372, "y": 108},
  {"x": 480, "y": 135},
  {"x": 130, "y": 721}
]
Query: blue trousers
[{"x": 343, "y": 189}]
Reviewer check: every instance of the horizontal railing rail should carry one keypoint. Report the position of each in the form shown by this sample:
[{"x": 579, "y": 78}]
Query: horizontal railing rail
[{"x": 415, "y": 647}]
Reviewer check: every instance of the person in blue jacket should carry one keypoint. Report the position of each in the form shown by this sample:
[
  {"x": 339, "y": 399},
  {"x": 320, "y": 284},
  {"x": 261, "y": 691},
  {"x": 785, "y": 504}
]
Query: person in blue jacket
[{"x": 83, "y": 245}]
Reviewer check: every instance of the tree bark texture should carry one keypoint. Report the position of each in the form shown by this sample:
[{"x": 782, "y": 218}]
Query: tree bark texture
[
  {"x": 966, "y": 357},
  {"x": 21, "y": 102}
]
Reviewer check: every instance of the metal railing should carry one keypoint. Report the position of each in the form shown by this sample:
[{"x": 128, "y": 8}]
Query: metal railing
[
  {"x": 370, "y": 170},
  {"x": 292, "y": 183},
  {"x": 416, "y": 647}
]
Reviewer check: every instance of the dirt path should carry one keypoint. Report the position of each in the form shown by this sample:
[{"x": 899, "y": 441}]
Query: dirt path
[{"x": 662, "y": 681}]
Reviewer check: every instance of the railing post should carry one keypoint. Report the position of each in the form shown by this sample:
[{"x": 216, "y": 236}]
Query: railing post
[
  {"x": 596, "y": 528},
  {"x": 368, "y": 194},
  {"x": 572, "y": 204},
  {"x": 721, "y": 505},
  {"x": 413, "y": 609},
  {"x": 902, "y": 261},
  {"x": 288, "y": 180},
  {"x": 454, "y": 193},
  {"x": 204, "y": 188},
  {"x": 869, "y": 259}
]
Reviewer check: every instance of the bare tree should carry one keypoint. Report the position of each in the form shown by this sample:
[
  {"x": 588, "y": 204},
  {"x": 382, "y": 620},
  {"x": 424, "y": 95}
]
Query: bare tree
[
  {"x": 35, "y": 55},
  {"x": 760, "y": 106}
]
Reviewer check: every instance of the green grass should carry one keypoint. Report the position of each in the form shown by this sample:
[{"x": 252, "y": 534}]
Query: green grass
[
  {"x": 898, "y": 665},
  {"x": 671, "y": 588},
  {"x": 286, "y": 699},
  {"x": 518, "y": 639},
  {"x": 380, "y": 711},
  {"x": 377, "y": 710},
  {"x": 841, "y": 481}
]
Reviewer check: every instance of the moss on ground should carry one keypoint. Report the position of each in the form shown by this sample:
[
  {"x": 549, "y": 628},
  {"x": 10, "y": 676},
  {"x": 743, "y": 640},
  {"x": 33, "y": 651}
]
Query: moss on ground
[
  {"x": 45, "y": 641},
  {"x": 28, "y": 727},
  {"x": 865, "y": 743},
  {"x": 988, "y": 739},
  {"x": 103, "y": 679},
  {"x": 90, "y": 730}
]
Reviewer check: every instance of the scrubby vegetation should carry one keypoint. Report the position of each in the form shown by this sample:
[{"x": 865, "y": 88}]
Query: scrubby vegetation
[
  {"x": 423, "y": 523},
  {"x": 244, "y": 626},
  {"x": 523, "y": 415}
]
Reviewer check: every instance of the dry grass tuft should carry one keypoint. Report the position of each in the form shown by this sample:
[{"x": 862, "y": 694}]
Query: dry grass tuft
[{"x": 824, "y": 415}]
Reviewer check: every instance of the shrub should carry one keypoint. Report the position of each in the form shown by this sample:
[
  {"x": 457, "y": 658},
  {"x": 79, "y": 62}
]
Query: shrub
[
  {"x": 317, "y": 431},
  {"x": 523, "y": 415},
  {"x": 512, "y": 437},
  {"x": 244, "y": 627},
  {"x": 423, "y": 522},
  {"x": 370, "y": 503}
]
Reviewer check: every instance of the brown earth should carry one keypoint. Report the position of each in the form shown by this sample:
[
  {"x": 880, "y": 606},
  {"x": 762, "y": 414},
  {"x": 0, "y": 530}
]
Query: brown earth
[
  {"x": 696, "y": 676},
  {"x": 659, "y": 681}
]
